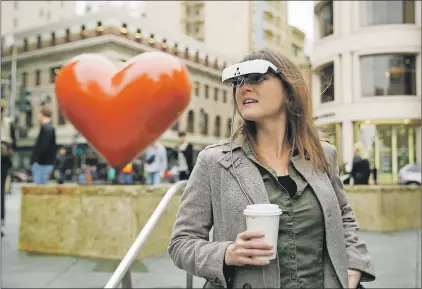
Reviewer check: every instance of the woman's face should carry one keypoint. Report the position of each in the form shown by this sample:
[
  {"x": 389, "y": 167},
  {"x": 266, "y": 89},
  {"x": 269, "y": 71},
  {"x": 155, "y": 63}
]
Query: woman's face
[{"x": 261, "y": 100}]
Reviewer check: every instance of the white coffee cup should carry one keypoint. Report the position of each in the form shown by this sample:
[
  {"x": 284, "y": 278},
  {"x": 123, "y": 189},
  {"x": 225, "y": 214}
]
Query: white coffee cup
[{"x": 264, "y": 218}]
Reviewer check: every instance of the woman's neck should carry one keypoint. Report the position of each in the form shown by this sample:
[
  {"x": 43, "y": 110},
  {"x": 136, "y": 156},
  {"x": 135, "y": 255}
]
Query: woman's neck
[{"x": 271, "y": 138}]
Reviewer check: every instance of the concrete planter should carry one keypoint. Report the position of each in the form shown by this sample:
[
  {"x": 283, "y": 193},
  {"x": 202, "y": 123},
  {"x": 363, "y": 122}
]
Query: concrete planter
[
  {"x": 103, "y": 221},
  {"x": 93, "y": 221},
  {"x": 386, "y": 208}
]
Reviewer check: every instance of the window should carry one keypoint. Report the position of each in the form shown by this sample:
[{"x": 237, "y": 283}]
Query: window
[
  {"x": 295, "y": 49},
  {"x": 53, "y": 72},
  {"x": 203, "y": 122},
  {"x": 196, "y": 88},
  {"x": 39, "y": 41},
  {"x": 225, "y": 96},
  {"x": 386, "y": 12},
  {"x": 326, "y": 75},
  {"x": 207, "y": 91},
  {"x": 326, "y": 19},
  {"x": 228, "y": 128},
  {"x": 191, "y": 121},
  {"x": 25, "y": 79},
  {"x": 216, "y": 93},
  {"x": 388, "y": 74},
  {"x": 37, "y": 77},
  {"x": 217, "y": 128}
]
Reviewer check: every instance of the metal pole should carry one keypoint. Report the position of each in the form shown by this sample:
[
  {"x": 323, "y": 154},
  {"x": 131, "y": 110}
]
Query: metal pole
[
  {"x": 13, "y": 82},
  {"x": 133, "y": 252},
  {"x": 189, "y": 281}
]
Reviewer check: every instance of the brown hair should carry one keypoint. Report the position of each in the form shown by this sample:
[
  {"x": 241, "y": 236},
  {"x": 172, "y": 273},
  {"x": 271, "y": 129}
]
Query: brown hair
[
  {"x": 45, "y": 111},
  {"x": 300, "y": 131}
]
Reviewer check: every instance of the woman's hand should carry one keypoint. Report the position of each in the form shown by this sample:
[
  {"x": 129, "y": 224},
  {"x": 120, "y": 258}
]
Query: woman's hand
[
  {"x": 243, "y": 249},
  {"x": 354, "y": 278}
]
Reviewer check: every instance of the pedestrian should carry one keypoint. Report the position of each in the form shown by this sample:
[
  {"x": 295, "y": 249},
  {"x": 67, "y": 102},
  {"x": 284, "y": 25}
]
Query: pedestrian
[
  {"x": 61, "y": 166},
  {"x": 111, "y": 175},
  {"x": 361, "y": 171},
  {"x": 374, "y": 174},
  {"x": 8, "y": 145},
  {"x": 156, "y": 163},
  {"x": 184, "y": 153},
  {"x": 44, "y": 151},
  {"x": 126, "y": 175},
  {"x": 274, "y": 157}
]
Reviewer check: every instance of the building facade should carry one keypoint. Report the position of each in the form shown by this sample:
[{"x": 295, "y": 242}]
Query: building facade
[
  {"x": 43, "y": 50},
  {"x": 367, "y": 80},
  {"x": 234, "y": 28},
  {"x": 21, "y": 15}
]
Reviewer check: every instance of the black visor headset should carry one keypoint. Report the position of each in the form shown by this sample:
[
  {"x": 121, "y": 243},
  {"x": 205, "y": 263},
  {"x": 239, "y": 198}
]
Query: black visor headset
[{"x": 249, "y": 72}]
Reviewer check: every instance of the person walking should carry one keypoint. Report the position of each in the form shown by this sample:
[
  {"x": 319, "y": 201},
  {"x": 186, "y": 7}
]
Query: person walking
[
  {"x": 8, "y": 145},
  {"x": 44, "y": 152},
  {"x": 156, "y": 163},
  {"x": 276, "y": 158},
  {"x": 184, "y": 152}
]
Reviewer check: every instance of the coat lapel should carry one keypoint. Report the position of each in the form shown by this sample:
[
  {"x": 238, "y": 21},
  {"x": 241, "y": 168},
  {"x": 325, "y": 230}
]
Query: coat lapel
[
  {"x": 321, "y": 185},
  {"x": 249, "y": 176}
]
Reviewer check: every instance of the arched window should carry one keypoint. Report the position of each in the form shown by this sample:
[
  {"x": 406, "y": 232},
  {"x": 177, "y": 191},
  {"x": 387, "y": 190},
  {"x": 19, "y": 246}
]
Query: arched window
[
  {"x": 229, "y": 123},
  {"x": 191, "y": 121},
  {"x": 217, "y": 126}
]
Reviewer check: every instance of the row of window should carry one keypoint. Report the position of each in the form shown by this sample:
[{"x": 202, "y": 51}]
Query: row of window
[
  {"x": 370, "y": 13},
  {"x": 206, "y": 91},
  {"x": 381, "y": 75},
  {"x": 203, "y": 124},
  {"x": 38, "y": 76}
]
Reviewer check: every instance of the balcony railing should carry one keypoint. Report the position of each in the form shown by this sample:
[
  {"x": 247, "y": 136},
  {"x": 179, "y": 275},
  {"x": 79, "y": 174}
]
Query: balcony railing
[{"x": 121, "y": 32}]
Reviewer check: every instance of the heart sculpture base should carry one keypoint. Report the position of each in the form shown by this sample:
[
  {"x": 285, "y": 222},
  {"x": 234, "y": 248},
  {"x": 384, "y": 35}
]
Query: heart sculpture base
[{"x": 122, "y": 112}]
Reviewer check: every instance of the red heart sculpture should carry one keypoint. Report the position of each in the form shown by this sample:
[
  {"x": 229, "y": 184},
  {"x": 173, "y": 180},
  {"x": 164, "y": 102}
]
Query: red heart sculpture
[{"x": 121, "y": 113}]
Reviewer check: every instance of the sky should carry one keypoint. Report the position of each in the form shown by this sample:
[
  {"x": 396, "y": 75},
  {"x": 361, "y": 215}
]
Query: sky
[{"x": 301, "y": 15}]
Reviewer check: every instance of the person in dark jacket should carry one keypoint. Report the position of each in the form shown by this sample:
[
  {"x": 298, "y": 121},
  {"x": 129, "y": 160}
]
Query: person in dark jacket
[
  {"x": 44, "y": 152},
  {"x": 61, "y": 166},
  {"x": 184, "y": 157},
  {"x": 360, "y": 169},
  {"x": 8, "y": 145}
]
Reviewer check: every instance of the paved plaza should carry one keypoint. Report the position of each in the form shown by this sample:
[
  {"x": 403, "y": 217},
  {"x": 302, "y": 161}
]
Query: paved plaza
[{"x": 397, "y": 257}]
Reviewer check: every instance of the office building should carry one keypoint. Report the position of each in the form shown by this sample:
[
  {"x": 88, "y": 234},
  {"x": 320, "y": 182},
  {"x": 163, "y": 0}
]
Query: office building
[{"x": 367, "y": 80}]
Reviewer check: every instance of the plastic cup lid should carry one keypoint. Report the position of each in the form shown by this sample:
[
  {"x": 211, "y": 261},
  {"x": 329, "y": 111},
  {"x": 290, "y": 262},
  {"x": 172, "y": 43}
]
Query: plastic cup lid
[{"x": 262, "y": 210}]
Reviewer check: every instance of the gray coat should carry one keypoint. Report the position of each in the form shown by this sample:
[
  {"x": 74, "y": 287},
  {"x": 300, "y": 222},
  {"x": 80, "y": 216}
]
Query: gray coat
[{"x": 213, "y": 198}]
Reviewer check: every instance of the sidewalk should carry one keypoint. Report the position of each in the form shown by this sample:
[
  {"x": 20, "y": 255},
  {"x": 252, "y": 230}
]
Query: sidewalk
[{"x": 395, "y": 256}]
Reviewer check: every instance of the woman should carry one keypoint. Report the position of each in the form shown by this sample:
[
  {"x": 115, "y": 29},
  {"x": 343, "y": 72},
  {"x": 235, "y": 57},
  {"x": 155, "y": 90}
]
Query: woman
[{"x": 276, "y": 157}]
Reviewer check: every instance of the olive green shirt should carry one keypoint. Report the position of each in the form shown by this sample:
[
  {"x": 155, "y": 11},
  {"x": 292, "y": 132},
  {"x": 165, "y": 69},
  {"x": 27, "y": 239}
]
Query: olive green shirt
[{"x": 301, "y": 229}]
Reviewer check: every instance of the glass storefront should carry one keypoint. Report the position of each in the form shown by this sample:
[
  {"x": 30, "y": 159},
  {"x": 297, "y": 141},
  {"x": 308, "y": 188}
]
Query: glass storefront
[{"x": 388, "y": 147}]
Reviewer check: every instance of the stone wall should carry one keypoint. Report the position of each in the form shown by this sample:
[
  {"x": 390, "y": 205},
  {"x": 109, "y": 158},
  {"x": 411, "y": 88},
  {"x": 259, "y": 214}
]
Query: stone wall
[
  {"x": 104, "y": 221},
  {"x": 93, "y": 221},
  {"x": 386, "y": 208}
]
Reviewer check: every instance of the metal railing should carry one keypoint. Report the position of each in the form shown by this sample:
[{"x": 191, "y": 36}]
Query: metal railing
[{"x": 122, "y": 273}]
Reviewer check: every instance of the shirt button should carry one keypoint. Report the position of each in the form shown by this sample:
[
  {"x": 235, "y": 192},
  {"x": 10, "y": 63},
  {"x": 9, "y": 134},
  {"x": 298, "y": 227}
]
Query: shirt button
[
  {"x": 292, "y": 256},
  {"x": 293, "y": 276}
]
